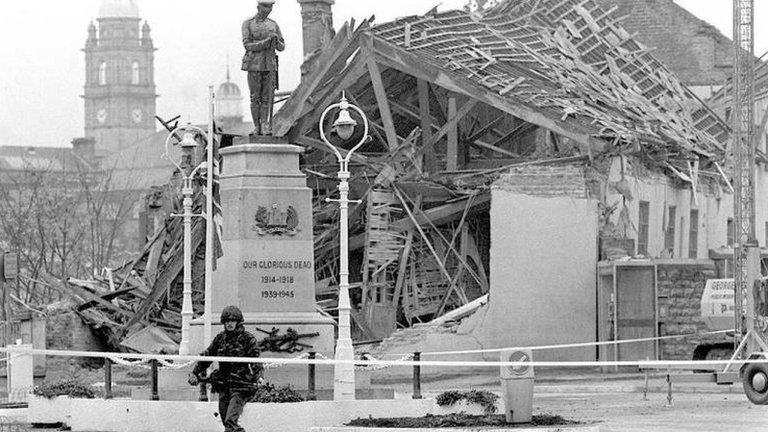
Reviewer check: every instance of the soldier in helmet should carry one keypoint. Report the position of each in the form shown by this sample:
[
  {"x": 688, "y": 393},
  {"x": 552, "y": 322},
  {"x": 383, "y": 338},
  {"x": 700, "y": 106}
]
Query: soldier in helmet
[
  {"x": 235, "y": 382},
  {"x": 261, "y": 38}
]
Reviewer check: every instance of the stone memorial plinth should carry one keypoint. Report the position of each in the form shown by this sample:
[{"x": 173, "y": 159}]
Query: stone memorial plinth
[{"x": 268, "y": 265}]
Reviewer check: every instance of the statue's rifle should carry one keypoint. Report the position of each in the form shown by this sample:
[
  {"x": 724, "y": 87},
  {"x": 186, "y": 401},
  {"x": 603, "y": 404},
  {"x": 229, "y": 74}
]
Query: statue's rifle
[{"x": 275, "y": 342}]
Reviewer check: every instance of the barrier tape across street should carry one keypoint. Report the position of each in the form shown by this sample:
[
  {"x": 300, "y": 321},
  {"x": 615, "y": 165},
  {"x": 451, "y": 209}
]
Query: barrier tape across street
[
  {"x": 572, "y": 345},
  {"x": 447, "y": 363}
]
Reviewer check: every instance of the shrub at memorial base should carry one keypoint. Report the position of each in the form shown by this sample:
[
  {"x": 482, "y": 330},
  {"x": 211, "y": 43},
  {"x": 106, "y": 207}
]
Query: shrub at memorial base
[
  {"x": 71, "y": 388},
  {"x": 268, "y": 393},
  {"x": 485, "y": 399},
  {"x": 456, "y": 420}
]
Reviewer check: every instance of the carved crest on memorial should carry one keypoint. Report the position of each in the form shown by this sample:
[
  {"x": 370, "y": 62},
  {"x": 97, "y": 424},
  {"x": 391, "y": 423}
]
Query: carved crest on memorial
[{"x": 274, "y": 221}]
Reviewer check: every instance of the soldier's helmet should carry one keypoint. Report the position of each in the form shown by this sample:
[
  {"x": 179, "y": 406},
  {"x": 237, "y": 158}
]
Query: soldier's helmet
[{"x": 231, "y": 313}]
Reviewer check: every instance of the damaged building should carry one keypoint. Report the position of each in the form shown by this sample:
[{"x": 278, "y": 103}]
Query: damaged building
[
  {"x": 535, "y": 175},
  {"x": 522, "y": 145}
]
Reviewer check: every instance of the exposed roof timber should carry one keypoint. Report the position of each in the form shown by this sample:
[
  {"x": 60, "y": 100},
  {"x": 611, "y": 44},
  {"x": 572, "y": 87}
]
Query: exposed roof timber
[
  {"x": 319, "y": 145},
  {"x": 511, "y": 134},
  {"x": 436, "y": 216},
  {"x": 381, "y": 98},
  {"x": 473, "y": 140},
  {"x": 404, "y": 61},
  {"x": 520, "y": 71},
  {"x": 485, "y": 129},
  {"x": 375, "y": 130},
  {"x": 353, "y": 73},
  {"x": 425, "y": 119},
  {"x": 494, "y": 148},
  {"x": 332, "y": 58},
  {"x": 452, "y": 122},
  {"x": 573, "y": 61}
]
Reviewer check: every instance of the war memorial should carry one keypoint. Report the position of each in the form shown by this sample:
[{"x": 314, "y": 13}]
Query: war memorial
[{"x": 496, "y": 221}]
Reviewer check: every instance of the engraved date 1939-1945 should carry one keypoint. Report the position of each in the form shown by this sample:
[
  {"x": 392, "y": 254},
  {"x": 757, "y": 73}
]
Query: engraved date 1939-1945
[{"x": 270, "y": 294}]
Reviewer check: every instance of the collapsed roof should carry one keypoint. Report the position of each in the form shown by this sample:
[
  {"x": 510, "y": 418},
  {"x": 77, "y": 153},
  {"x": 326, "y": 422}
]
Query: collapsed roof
[{"x": 563, "y": 65}]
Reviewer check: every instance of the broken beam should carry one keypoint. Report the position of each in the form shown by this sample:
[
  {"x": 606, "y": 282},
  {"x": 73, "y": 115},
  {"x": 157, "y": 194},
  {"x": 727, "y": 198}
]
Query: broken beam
[
  {"x": 430, "y": 161},
  {"x": 381, "y": 97},
  {"x": 412, "y": 64},
  {"x": 438, "y": 216}
]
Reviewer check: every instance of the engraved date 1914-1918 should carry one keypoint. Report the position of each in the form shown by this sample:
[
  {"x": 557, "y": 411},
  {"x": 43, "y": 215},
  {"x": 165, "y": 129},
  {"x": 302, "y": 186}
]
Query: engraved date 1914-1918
[
  {"x": 277, "y": 294},
  {"x": 277, "y": 279}
]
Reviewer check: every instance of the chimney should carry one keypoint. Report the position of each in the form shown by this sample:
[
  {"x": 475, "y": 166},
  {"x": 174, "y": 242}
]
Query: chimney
[
  {"x": 317, "y": 25},
  {"x": 85, "y": 148}
]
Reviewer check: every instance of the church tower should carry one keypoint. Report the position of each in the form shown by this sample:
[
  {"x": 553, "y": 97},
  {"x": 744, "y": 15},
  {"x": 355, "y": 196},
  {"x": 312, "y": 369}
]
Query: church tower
[
  {"x": 229, "y": 104},
  {"x": 119, "y": 77}
]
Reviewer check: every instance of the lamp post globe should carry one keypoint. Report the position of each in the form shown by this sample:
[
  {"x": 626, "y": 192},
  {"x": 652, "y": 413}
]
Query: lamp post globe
[{"x": 344, "y": 126}]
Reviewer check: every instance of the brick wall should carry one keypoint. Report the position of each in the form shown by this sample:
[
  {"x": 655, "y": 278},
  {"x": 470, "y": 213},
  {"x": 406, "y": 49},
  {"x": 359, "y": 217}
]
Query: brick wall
[
  {"x": 680, "y": 286},
  {"x": 693, "y": 49},
  {"x": 544, "y": 181}
]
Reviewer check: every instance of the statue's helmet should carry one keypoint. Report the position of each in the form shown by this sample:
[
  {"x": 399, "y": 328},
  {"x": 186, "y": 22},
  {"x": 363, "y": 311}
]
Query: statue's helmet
[{"x": 231, "y": 313}]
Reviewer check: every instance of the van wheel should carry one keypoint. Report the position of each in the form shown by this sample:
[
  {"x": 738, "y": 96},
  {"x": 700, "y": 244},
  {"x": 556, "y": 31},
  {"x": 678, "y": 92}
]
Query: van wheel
[{"x": 755, "y": 382}]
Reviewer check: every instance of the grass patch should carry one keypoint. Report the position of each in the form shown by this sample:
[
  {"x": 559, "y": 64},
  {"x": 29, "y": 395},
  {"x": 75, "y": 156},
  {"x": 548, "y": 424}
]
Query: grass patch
[{"x": 459, "y": 420}]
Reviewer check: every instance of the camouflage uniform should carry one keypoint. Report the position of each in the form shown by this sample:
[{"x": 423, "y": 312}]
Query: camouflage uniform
[{"x": 235, "y": 382}]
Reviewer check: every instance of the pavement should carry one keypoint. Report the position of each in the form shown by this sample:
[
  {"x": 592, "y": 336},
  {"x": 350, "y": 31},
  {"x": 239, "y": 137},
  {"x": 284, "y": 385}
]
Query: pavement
[
  {"x": 585, "y": 380},
  {"x": 615, "y": 401},
  {"x": 612, "y": 401}
]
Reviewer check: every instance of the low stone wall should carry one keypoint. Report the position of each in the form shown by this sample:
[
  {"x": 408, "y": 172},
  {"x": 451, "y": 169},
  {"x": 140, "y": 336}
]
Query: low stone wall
[
  {"x": 67, "y": 331},
  {"x": 123, "y": 415},
  {"x": 680, "y": 286},
  {"x": 473, "y": 429}
]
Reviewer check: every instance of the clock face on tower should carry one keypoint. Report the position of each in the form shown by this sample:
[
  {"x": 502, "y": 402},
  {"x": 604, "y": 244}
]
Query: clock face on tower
[
  {"x": 101, "y": 115},
  {"x": 137, "y": 115}
]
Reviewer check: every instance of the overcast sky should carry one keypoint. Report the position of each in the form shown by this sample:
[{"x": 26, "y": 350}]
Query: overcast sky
[{"x": 42, "y": 65}]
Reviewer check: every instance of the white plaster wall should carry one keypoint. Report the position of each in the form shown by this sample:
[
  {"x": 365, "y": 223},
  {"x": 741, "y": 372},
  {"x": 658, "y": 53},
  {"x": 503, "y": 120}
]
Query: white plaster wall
[
  {"x": 714, "y": 210},
  {"x": 543, "y": 261}
]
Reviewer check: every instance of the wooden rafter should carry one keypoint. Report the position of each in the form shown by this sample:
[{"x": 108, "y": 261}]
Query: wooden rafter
[
  {"x": 511, "y": 134},
  {"x": 452, "y": 122},
  {"x": 410, "y": 111},
  {"x": 381, "y": 99},
  {"x": 376, "y": 129},
  {"x": 407, "y": 62},
  {"x": 297, "y": 103},
  {"x": 452, "y": 148},
  {"x": 425, "y": 118},
  {"x": 319, "y": 145},
  {"x": 485, "y": 129},
  {"x": 352, "y": 73},
  {"x": 403, "y": 265},
  {"x": 424, "y": 236},
  {"x": 437, "y": 216}
]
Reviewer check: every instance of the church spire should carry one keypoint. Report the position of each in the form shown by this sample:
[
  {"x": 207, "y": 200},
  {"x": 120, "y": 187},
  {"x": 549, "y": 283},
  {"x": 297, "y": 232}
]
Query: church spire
[{"x": 227, "y": 67}]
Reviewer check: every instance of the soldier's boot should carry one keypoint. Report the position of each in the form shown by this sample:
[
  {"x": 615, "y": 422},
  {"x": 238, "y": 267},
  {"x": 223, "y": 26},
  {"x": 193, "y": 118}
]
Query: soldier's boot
[
  {"x": 266, "y": 121},
  {"x": 255, "y": 111}
]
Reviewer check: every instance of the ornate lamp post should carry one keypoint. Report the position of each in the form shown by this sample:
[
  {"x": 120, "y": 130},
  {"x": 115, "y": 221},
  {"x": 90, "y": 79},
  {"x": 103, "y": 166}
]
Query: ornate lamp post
[
  {"x": 344, "y": 127},
  {"x": 187, "y": 145}
]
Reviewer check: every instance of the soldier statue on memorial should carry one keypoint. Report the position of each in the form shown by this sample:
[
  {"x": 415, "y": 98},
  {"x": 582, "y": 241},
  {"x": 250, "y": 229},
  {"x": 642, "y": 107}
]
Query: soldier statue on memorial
[{"x": 261, "y": 39}]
